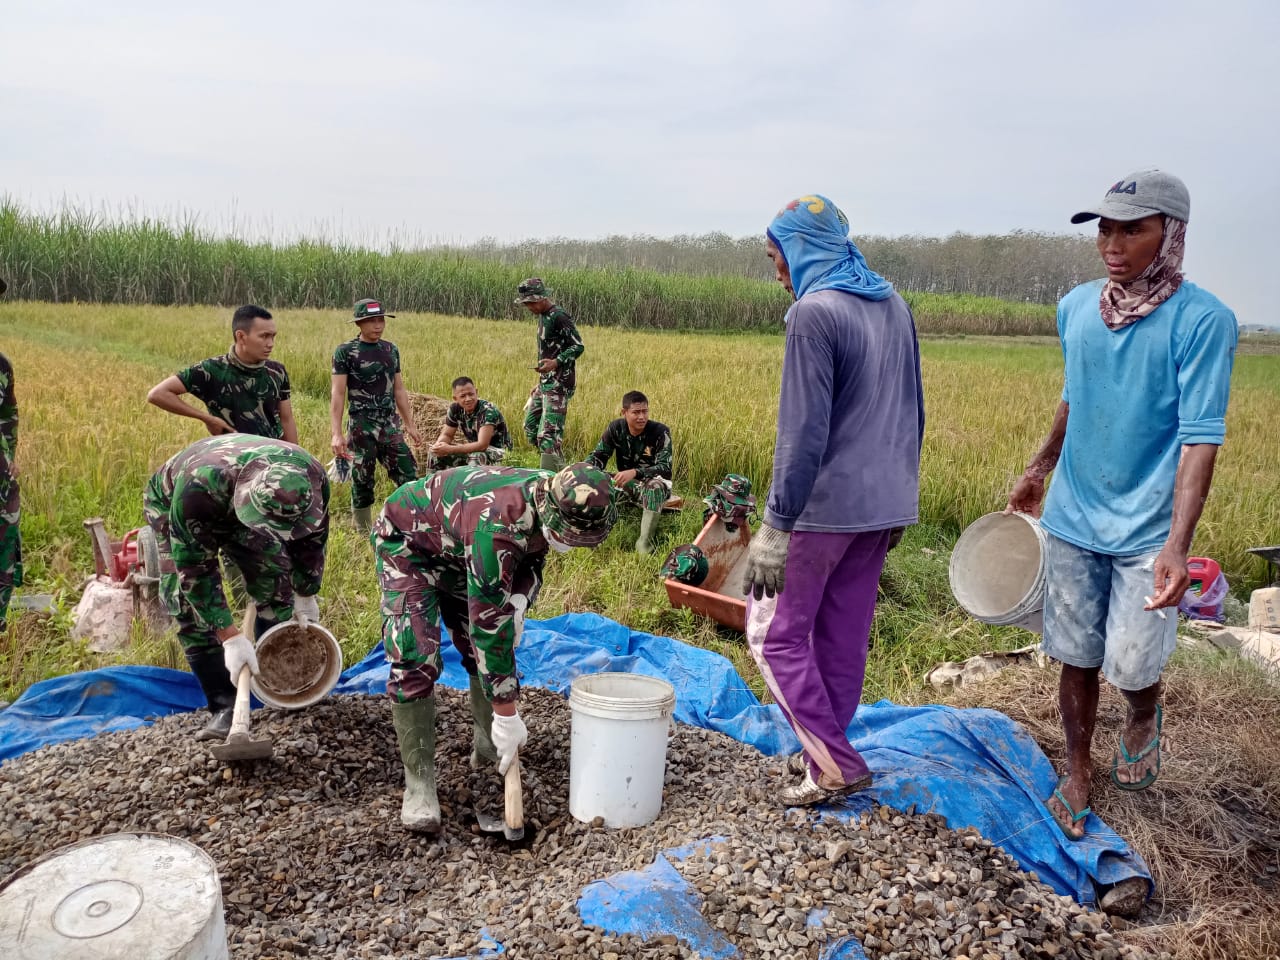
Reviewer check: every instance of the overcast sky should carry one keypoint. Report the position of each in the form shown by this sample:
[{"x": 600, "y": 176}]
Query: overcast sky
[{"x": 456, "y": 121}]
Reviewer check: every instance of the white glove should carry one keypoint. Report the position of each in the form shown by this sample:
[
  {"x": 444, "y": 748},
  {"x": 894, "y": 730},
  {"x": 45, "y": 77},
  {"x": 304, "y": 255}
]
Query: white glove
[
  {"x": 306, "y": 609},
  {"x": 519, "y": 604},
  {"x": 237, "y": 653},
  {"x": 509, "y": 735}
]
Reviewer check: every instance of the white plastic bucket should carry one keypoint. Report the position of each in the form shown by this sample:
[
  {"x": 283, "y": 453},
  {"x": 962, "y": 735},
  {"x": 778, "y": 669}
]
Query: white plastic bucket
[
  {"x": 296, "y": 667},
  {"x": 125, "y": 896},
  {"x": 618, "y": 747},
  {"x": 997, "y": 570}
]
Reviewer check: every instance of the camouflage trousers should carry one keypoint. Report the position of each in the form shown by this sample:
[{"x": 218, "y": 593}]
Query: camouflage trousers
[
  {"x": 264, "y": 566},
  {"x": 481, "y": 458},
  {"x": 10, "y": 544},
  {"x": 418, "y": 592},
  {"x": 650, "y": 494},
  {"x": 371, "y": 443},
  {"x": 544, "y": 414}
]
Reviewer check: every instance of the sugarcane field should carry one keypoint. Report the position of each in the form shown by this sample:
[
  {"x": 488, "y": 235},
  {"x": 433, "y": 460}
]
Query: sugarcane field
[{"x": 792, "y": 497}]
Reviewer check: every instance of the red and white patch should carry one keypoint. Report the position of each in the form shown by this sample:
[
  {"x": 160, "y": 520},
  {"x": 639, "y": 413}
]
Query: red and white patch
[{"x": 373, "y": 308}]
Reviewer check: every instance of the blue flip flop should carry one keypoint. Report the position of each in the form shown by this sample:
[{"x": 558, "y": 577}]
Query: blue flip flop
[
  {"x": 1075, "y": 817},
  {"x": 1151, "y": 776}
]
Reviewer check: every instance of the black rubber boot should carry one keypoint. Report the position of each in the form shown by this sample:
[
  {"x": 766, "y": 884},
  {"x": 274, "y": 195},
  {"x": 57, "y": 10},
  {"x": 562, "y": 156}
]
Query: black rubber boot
[{"x": 211, "y": 672}]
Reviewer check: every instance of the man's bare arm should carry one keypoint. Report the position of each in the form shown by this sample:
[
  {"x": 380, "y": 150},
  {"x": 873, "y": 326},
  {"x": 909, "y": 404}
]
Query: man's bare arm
[{"x": 167, "y": 395}]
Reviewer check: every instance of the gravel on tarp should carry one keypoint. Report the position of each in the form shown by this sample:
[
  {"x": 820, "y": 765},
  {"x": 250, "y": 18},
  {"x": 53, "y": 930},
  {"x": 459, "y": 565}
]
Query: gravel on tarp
[{"x": 314, "y": 862}]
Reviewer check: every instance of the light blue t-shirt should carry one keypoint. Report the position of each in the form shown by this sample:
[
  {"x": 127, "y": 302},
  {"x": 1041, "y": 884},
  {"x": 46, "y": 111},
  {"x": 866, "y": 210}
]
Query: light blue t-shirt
[{"x": 1136, "y": 395}]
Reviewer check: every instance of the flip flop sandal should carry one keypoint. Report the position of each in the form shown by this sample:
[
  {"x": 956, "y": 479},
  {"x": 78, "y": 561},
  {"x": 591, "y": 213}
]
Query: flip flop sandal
[
  {"x": 1151, "y": 775},
  {"x": 1075, "y": 817}
]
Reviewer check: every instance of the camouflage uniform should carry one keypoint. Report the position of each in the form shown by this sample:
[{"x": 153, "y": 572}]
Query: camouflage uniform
[
  {"x": 198, "y": 504},
  {"x": 374, "y": 431},
  {"x": 457, "y": 546},
  {"x": 649, "y": 455},
  {"x": 247, "y": 396},
  {"x": 469, "y": 424},
  {"x": 10, "y": 538},
  {"x": 548, "y": 403}
]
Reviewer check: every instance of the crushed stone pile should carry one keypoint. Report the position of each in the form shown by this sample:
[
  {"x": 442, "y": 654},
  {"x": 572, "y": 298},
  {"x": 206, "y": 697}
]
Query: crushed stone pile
[{"x": 313, "y": 860}]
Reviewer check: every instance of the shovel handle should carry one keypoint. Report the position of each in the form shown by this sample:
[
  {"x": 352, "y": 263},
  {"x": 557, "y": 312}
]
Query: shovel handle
[
  {"x": 513, "y": 795},
  {"x": 240, "y": 718}
]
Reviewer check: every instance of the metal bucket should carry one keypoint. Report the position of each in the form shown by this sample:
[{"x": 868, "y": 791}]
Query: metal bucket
[
  {"x": 125, "y": 896},
  {"x": 297, "y": 666}
]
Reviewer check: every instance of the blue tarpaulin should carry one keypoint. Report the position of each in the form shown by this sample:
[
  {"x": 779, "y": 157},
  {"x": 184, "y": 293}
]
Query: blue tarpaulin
[{"x": 976, "y": 768}]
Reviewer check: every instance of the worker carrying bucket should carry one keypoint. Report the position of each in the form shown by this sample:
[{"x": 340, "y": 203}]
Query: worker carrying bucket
[
  {"x": 467, "y": 546},
  {"x": 261, "y": 504}
]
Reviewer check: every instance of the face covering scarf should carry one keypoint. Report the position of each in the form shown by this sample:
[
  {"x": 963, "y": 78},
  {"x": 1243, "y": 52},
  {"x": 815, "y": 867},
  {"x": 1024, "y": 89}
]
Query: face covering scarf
[
  {"x": 813, "y": 235},
  {"x": 1124, "y": 303}
]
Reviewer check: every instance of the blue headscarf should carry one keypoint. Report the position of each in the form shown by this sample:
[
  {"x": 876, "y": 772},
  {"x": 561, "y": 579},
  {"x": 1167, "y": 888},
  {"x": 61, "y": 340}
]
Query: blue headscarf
[{"x": 813, "y": 235}]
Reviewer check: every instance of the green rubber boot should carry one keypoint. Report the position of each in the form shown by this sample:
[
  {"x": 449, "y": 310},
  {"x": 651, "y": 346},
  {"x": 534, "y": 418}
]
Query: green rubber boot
[
  {"x": 415, "y": 724},
  {"x": 483, "y": 752},
  {"x": 648, "y": 520},
  {"x": 551, "y": 461},
  {"x": 362, "y": 519}
]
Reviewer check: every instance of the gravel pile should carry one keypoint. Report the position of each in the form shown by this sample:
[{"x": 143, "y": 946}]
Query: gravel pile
[{"x": 313, "y": 861}]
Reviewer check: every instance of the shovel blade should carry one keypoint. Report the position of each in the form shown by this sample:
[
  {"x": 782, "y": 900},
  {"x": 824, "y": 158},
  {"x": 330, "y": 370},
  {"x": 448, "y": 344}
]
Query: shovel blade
[{"x": 246, "y": 749}]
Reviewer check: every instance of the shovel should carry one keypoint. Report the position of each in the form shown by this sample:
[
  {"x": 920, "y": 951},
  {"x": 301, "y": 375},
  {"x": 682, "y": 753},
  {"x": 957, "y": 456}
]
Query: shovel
[
  {"x": 239, "y": 745},
  {"x": 511, "y": 825}
]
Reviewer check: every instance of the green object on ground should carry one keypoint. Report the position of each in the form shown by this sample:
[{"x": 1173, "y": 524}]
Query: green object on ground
[
  {"x": 1151, "y": 775},
  {"x": 1075, "y": 817},
  {"x": 362, "y": 518},
  {"x": 647, "y": 521},
  {"x": 415, "y": 724}
]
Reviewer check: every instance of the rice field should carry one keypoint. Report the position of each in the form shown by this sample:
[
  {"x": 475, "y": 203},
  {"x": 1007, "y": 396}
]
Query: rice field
[{"x": 89, "y": 441}]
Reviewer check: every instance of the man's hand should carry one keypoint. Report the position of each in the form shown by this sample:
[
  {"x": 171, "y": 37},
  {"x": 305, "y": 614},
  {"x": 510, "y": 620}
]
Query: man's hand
[
  {"x": 623, "y": 477},
  {"x": 442, "y": 449},
  {"x": 414, "y": 435},
  {"x": 236, "y": 654},
  {"x": 547, "y": 366},
  {"x": 1026, "y": 496},
  {"x": 509, "y": 735},
  {"x": 306, "y": 609},
  {"x": 767, "y": 562},
  {"x": 1171, "y": 579},
  {"x": 338, "y": 443},
  {"x": 217, "y": 426}
]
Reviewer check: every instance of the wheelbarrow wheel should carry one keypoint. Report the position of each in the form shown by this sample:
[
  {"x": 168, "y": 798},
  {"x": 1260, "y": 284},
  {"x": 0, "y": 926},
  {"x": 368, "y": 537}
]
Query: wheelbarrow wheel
[{"x": 149, "y": 561}]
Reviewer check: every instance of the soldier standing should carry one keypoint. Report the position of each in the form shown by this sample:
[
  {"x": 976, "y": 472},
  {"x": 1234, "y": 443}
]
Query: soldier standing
[
  {"x": 244, "y": 390},
  {"x": 467, "y": 546},
  {"x": 559, "y": 347},
  {"x": 262, "y": 504},
  {"x": 484, "y": 431},
  {"x": 643, "y": 451},
  {"x": 366, "y": 373},
  {"x": 10, "y": 536}
]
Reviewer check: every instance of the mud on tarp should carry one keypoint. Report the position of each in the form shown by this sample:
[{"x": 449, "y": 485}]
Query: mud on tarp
[{"x": 975, "y": 768}]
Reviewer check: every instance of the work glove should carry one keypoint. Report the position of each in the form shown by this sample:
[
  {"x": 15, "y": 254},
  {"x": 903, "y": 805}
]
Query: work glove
[
  {"x": 519, "y": 604},
  {"x": 767, "y": 562},
  {"x": 236, "y": 653},
  {"x": 509, "y": 735},
  {"x": 306, "y": 609}
]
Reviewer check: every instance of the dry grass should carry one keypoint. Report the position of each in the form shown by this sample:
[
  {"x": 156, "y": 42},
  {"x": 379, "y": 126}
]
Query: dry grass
[
  {"x": 428, "y": 417},
  {"x": 1209, "y": 828}
]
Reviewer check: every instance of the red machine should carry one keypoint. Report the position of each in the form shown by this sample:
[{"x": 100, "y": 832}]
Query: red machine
[{"x": 133, "y": 561}]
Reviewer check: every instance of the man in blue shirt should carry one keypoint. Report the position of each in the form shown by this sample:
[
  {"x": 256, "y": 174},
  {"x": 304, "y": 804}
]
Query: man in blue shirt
[
  {"x": 846, "y": 480},
  {"x": 1147, "y": 370}
]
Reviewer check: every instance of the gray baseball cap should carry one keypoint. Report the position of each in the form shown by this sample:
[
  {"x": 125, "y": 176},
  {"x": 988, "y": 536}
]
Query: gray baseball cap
[{"x": 1139, "y": 195}]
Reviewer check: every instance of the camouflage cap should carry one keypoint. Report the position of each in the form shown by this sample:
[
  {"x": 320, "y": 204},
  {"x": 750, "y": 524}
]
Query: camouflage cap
[
  {"x": 686, "y": 563},
  {"x": 531, "y": 291},
  {"x": 577, "y": 504},
  {"x": 369, "y": 309},
  {"x": 280, "y": 497}
]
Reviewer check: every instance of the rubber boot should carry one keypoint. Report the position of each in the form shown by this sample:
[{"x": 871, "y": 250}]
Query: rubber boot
[
  {"x": 210, "y": 671},
  {"x": 551, "y": 461},
  {"x": 483, "y": 752},
  {"x": 362, "y": 519},
  {"x": 415, "y": 724},
  {"x": 648, "y": 520}
]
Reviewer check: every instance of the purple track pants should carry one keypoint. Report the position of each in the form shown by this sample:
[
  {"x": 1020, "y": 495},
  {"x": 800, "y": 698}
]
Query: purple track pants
[{"x": 810, "y": 642}]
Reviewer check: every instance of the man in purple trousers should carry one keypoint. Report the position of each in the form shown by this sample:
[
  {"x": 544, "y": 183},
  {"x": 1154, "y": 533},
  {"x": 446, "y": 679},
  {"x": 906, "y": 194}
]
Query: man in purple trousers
[{"x": 846, "y": 481}]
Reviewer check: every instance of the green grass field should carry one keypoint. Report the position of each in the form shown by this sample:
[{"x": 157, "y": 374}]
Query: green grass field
[{"x": 89, "y": 441}]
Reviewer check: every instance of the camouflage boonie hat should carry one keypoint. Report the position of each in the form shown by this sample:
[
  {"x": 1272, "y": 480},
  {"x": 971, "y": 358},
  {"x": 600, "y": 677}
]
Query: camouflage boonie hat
[
  {"x": 577, "y": 505},
  {"x": 531, "y": 291},
  {"x": 369, "y": 309},
  {"x": 279, "y": 497},
  {"x": 731, "y": 500},
  {"x": 687, "y": 564}
]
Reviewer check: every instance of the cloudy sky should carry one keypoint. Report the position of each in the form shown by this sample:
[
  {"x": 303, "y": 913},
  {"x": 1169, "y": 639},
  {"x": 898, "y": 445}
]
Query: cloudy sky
[{"x": 455, "y": 121}]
